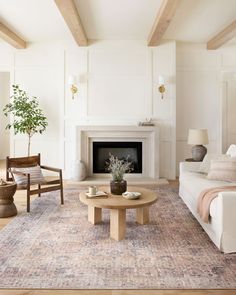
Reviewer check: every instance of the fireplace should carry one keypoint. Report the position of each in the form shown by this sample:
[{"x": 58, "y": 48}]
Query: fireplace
[
  {"x": 131, "y": 151},
  {"x": 141, "y": 143}
]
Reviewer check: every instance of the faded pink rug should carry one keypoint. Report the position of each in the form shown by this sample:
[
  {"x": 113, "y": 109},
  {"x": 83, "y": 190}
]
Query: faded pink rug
[{"x": 54, "y": 246}]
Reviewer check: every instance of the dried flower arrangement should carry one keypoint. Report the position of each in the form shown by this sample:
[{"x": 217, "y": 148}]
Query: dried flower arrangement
[{"x": 118, "y": 167}]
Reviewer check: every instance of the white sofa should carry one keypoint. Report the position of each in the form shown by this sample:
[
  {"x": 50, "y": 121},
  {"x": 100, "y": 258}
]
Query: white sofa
[{"x": 222, "y": 226}]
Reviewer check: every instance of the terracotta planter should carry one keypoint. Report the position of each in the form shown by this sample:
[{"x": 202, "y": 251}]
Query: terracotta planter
[{"x": 118, "y": 187}]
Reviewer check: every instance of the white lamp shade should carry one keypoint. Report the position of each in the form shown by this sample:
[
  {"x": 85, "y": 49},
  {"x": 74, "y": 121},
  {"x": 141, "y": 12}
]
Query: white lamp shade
[
  {"x": 198, "y": 136},
  {"x": 161, "y": 80},
  {"x": 72, "y": 80}
]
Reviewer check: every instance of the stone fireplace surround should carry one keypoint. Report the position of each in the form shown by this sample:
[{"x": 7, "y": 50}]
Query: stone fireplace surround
[{"x": 148, "y": 135}]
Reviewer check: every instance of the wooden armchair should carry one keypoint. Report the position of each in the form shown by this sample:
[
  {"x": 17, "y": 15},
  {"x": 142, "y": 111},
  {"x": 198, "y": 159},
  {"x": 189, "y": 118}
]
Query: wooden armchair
[{"x": 25, "y": 162}]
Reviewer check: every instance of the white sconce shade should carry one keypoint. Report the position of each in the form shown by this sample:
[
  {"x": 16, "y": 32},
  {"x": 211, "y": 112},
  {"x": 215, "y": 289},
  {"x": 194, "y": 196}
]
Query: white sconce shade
[
  {"x": 161, "y": 80},
  {"x": 72, "y": 80}
]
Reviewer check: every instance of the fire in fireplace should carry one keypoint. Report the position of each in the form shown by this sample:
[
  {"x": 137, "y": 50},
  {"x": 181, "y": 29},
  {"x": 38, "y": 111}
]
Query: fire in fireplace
[{"x": 122, "y": 150}]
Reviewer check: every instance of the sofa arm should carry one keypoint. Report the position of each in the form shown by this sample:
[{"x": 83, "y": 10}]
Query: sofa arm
[
  {"x": 188, "y": 167},
  {"x": 227, "y": 207}
]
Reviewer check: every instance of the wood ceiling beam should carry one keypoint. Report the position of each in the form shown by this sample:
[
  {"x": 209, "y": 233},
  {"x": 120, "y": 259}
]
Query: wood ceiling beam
[
  {"x": 162, "y": 21},
  {"x": 10, "y": 37},
  {"x": 70, "y": 14},
  {"x": 222, "y": 37}
]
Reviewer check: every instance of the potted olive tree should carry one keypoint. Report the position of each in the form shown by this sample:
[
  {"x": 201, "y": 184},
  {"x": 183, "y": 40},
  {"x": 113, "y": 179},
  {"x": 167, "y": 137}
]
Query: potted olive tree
[
  {"x": 117, "y": 169},
  {"x": 28, "y": 118}
]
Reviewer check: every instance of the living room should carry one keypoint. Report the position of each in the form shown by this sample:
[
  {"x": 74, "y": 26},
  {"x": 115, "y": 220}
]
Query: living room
[{"x": 135, "y": 75}]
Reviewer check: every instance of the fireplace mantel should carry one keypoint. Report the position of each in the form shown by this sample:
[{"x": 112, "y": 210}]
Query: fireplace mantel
[{"x": 148, "y": 135}]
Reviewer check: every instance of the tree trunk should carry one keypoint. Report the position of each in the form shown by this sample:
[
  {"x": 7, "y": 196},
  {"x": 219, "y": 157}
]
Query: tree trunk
[{"x": 29, "y": 138}]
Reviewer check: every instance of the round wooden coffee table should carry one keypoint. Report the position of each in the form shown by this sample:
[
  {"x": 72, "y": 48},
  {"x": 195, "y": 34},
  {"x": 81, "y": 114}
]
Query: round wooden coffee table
[{"x": 118, "y": 206}]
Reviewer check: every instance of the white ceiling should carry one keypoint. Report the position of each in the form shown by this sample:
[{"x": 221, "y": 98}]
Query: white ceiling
[
  {"x": 40, "y": 20},
  {"x": 200, "y": 20},
  {"x": 118, "y": 19},
  {"x": 34, "y": 20}
]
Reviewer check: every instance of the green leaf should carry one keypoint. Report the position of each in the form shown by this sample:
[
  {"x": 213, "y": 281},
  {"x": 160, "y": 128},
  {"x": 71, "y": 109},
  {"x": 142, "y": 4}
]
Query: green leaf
[{"x": 28, "y": 118}]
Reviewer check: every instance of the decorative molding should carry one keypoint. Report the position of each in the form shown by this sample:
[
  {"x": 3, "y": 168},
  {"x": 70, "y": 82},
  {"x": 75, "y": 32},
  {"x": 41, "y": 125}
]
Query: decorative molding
[
  {"x": 70, "y": 13},
  {"x": 149, "y": 136},
  {"x": 162, "y": 21},
  {"x": 147, "y": 88},
  {"x": 11, "y": 38},
  {"x": 222, "y": 37}
]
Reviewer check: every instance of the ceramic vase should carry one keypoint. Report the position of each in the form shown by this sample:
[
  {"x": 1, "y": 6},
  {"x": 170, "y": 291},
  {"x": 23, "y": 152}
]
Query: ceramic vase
[
  {"x": 118, "y": 187},
  {"x": 80, "y": 171}
]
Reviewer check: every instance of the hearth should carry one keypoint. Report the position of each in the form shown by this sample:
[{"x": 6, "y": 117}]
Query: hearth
[{"x": 131, "y": 151}]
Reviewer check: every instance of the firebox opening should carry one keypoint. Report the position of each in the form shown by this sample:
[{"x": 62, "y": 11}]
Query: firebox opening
[{"x": 123, "y": 150}]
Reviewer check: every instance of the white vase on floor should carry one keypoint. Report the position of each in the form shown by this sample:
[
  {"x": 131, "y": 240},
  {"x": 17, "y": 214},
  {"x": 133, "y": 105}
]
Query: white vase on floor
[{"x": 79, "y": 170}]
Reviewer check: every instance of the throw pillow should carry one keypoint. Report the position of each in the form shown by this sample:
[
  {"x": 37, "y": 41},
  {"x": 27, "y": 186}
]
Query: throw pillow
[
  {"x": 205, "y": 164},
  {"x": 231, "y": 150},
  {"x": 223, "y": 170},
  {"x": 36, "y": 176}
]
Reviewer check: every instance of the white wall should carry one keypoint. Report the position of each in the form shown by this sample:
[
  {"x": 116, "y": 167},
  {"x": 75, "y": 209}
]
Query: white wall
[
  {"x": 4, "y": 99},
  {"x": 39, "y": 70},
  {"x": 118, "y": 85},
  {"x": 199, "y": 93}
]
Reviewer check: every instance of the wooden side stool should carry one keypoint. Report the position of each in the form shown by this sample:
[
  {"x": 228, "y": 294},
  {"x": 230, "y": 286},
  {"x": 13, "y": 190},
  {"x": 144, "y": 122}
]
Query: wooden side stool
[{"x": 7, "y": 206}]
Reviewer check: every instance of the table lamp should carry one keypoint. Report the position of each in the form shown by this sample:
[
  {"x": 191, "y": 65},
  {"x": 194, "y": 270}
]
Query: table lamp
[{"x": 198, "y": 137}]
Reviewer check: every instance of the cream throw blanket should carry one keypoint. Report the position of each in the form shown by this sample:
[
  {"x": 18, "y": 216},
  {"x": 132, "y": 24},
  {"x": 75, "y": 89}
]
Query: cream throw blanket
[{"x": 205, "y": 198}]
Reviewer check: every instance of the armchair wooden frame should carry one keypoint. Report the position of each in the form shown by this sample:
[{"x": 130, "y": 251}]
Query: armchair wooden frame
[{"x": 24, "y": 162}]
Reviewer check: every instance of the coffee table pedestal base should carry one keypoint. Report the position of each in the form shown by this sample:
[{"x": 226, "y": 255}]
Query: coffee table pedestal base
[
  {"x": 142, "y": 215},
  {"x": 94, "y": 215},
  {"x": 117, "y": 224}
]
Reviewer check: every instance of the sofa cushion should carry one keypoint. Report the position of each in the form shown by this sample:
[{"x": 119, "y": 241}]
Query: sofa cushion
[
  {"x": 231, "y": 150},
  {"x": 196, "y": 182},
  {"x": 223, "y": 170},
  {"x": 205, "y": 164}
]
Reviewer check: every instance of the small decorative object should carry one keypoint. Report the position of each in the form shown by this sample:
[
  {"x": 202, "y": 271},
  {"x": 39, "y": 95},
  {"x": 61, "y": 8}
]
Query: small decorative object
[
  {"x": 82, "y": 173},
  {"x": 79, "y": 170},
  {"x": 28, "y": 118},
  {"x": 93, "y": 190},
  {"x": 148, "y": 122},
  {"x": 118, "y": 168},
  {"x": 98, "y": 194},
  {"x": 131, "y": 195},
  {"x": 198, "y": 137},
  {"x": 2, "y": 182}
]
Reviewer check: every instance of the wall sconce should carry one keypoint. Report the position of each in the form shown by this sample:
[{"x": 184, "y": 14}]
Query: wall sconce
[
  {"x": 72, "y": 83},
  {"x": 161, "y": 87}
]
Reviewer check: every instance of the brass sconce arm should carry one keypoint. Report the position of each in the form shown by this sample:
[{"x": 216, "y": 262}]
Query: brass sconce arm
[{"x": 162, "y": 89}]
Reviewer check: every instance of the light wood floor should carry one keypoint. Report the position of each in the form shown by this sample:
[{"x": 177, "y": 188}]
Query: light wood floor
[
  {"x": 117, "y": 292},
  {"x": 20, "y": 201}
]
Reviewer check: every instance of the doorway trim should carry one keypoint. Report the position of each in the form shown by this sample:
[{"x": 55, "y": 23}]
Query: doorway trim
[{"x": 224, "y": 109}]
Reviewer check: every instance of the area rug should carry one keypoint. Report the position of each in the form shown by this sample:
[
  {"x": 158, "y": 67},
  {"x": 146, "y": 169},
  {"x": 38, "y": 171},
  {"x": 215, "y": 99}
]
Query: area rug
[{"x": 54, "y": 246}]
